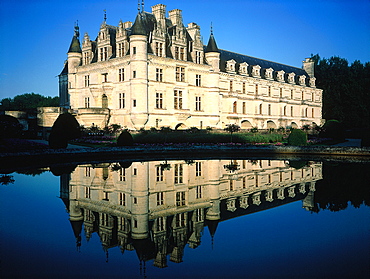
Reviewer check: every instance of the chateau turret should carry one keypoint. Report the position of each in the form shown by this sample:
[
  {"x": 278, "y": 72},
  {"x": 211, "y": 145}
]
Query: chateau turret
[
  {"x": 213, "y": 54},
  {"x": 139, "y": 72},
  {"x": 74, "y": 52}
]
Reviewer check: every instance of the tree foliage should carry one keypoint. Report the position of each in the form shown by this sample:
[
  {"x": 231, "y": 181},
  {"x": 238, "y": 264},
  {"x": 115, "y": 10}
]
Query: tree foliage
[
  {"x": 346, "y": 88},
  {"x": 28, "y": 102},
  {"x": 65, "y": 128},
  {"x": 297, "y": 138}
]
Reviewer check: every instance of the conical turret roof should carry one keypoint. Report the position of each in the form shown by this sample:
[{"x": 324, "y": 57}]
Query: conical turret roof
[
  {"x": 212, "y": 46},
  {"x": 139, "y": 27},
  {"x": 75, "y": 44}
]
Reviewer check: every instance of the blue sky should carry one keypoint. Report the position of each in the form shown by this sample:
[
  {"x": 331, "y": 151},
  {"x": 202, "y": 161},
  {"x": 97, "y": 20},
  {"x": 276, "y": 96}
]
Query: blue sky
[{"x": 35, "y": 35}]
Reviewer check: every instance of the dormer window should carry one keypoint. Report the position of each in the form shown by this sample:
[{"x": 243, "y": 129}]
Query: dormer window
[
  {"x": 268, "y": 73},
  {"x": 302, "y": 80},
  {"x": 312, "y": 82},
  {"x": 256, "y": 71},
  {"x": 230, "y": 65},
  {"x": 280, "y": 76},
  {"x": 243, "y": 68},
  {"x": 291, "y": 77}
]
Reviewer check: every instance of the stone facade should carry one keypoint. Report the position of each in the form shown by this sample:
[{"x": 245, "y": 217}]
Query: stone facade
[{"x": 157, "y": 72}]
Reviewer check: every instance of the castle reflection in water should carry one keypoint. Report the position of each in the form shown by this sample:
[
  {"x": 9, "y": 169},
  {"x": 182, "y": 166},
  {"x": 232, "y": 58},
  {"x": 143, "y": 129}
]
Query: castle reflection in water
[{"x": 158, "y": 207}]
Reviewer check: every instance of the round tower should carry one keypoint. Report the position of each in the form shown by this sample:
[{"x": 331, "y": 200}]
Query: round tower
[
  {"x": 140, "y": 202},
  {"x": 213, "y": 54},
  {"x": 74, "y": 52},
  {"x": 139, "y": 72}
]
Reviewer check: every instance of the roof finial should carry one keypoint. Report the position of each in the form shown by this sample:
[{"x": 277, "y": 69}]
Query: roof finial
[
  {"x": 77, "y": 29},
  {"x": 142, "y": 6},
  {"x": 105, "y": 15},
  {"x": 211, "y": 28},
  {"x": 138, "y": 6}
]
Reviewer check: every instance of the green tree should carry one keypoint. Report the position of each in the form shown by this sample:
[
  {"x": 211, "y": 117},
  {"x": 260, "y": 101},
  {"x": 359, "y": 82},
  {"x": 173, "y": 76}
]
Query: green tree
[
  {"x": 232, "y": 128},
  {"x": 346, "y": 95},
  {"x": 28, "y": 102}
]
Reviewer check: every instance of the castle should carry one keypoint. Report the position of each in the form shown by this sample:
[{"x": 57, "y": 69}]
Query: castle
[
  {"x": 156, "y": 72},
  {"x": 157, "y": 208}
]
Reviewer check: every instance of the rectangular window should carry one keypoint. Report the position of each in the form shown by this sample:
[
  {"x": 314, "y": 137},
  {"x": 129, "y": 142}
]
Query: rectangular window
[
  {"x": 87, "y": 192},
  {"x": 159, "y": 100},
  {"x": 122, "y": 199},
  {"x": 231, "y": 86},
  {"x": 180, "y": 220},
  {"x": 291, "y": 94},
  {"x": 159, "y": 173},
  {"x": 121, "y": 100},
  {"x": 87, "y": 102},
  {"x": 134, "y": 74},
  {"x": 291, "y": 111},
  {"x": 198, "y": 57},
  {"x": 121, "y": 49},
  {"x": 134, "y": 103},
  {"x": 159, "y": 75},
  {"x": 269, "y": 109},
  {"x": 158, "y": 49},
  {"x": 87, "y": 81},
  {"x": 160, "y": 198},
  {"x": 244, "y": 108},
  {"x": 243, "y": 87},
  {"x": 134, "y": 50},
  {"x": 198, "y": 169},
  {"x": 160, "y": 224},
  {"x": 122, "y": 174},
  {"x": 177, "y": 99},
  {"x": 281, "y": 92},
  {"x": 177, "y": 53},
  {"x": 256, "y": 89},
  {"x": 180, "y": 198},
  {"x": 182, "y": 53},
  {"x": 180, "y": 74},
  {"x": 199, "y": 192},
  {"x": 103, "y": 53},
  {"x": 198, "y": 80},
  {"x": 121, "y": 74},
  {"x": 87, "y": 171},
  {"x": 198, "y": 103},
  {"x": 86, "y": 58},
  {"x": 231, "y": 185},
  {"x": 269, "y": 91},
  {"x": 178, "y": 175}
]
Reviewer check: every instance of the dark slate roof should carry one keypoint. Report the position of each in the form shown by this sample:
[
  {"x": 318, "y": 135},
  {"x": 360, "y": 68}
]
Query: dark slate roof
[
  {"x": 144, "y": 24},
  {"x": 75, "y": 45},
  {"x": 65, "y": 69},
  {"x": 212, "y": 46},
  {"x": 265, "y": 64},
  {"x": 138, "y": 28}
]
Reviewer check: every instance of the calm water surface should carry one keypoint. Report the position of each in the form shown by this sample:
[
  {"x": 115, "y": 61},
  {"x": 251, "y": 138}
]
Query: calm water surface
[{"x": 187, "y": 219}]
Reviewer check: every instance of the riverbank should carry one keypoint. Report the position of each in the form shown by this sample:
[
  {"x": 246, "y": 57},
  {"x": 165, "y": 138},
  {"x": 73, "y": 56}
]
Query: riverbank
[{"x": 40, "y": 158}]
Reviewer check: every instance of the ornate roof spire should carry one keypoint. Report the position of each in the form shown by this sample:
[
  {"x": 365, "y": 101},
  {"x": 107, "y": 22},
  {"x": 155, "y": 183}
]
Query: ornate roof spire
[
  {"x": 75, "y": 44},
  {"x": 212, "y": 46},
  {"x": 105, "y": 15}
]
